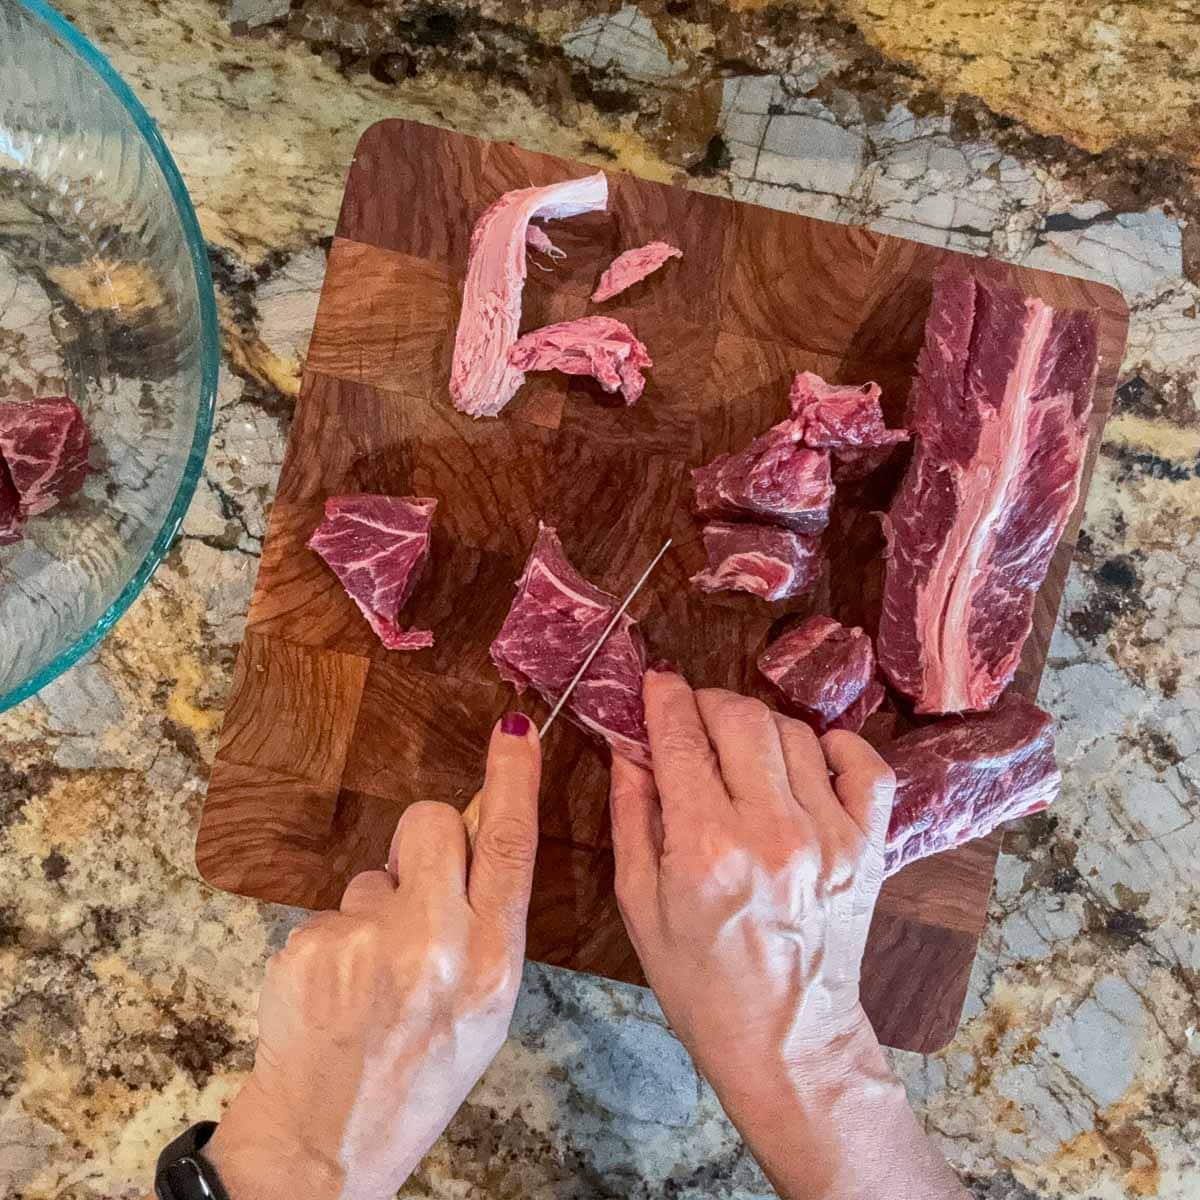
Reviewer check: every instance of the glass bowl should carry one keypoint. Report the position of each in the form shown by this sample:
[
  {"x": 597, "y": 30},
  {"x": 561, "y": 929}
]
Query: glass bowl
[{"x": 105, "y": 296}]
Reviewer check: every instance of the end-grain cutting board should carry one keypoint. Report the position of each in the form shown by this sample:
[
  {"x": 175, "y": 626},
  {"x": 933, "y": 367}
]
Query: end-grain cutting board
[{"x": 328, "y": 736}]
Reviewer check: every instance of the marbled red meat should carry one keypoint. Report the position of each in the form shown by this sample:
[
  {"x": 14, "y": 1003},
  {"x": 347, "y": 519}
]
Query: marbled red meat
[
  {"x": 1000, "y": 410},
  {"x": 960, "y": 778},
  {"x": 598, "y": 346},
  {"x": 766, "y": 561},
  {"x": 845, "y": 420},
  {"x": 820, "y": 668},
  {"x": 775, "y": 480},
  {"x": 556, "y": 618},
  {"x": 632, "y": 267},
  {"x": 10, "y": 508},
  {"x": 45, "y": 447},
  {"x": 855, "y": 716},
  {"x": 378, "y": 546},
  {"x": 482, "y": 380}
]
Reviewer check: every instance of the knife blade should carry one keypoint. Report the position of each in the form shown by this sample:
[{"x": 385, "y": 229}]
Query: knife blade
[{"x": 616, "y": 617}]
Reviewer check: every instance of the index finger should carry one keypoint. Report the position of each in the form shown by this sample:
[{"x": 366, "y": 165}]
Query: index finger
[
  {"x": 863, "y": 781},
  {"x": 501, "y": 871},
  {"x": 685, "y": 765}
]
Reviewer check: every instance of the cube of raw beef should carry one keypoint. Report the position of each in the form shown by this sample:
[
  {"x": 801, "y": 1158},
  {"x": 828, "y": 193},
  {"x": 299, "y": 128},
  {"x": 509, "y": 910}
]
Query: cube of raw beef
[
  {"x": 960, "y": 778},
  {"x": 378, "y": 546},
  {"x": 1000, "y": 412},
  {"x": 855, "y": 717},
  {"x": 45, "y": 448},
  {"x": 601, "y": 347},
  {"x": 10, "y": 508},
  {"x": 821, "y": 668},
  {"x": 845, "y": 420},
  {"x": 764, "y": 560},
  {"x": 556, "y": 619},
  {"x": 775, "y": 480}
]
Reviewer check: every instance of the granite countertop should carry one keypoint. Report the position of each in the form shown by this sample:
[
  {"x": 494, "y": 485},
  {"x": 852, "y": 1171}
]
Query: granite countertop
[{"x": 1058, "y": 135}]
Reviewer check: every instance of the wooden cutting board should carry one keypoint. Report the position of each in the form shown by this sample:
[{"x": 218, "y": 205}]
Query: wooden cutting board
[{"x": 328, "y": 736}]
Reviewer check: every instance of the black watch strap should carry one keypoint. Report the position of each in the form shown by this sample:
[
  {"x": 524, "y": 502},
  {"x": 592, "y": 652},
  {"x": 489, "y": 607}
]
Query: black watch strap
[{"x": 183, "y": 1174}]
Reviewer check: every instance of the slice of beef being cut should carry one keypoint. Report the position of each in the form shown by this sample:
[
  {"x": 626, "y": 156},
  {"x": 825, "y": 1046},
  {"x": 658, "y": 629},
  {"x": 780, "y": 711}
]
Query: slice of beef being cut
[
  {"x": 820, "y": 668},
  {"x": 960, "y": 778},
  {"x": 556, "y": 618},
  {"x": 482, "y": 380},
  {"x": 632, "y": 267},
  {"x": 999, "y": 409},
  {"x": 601, "y": 347},
  {"x": 845, "y": 420},
  {"x": 766, "y": 561},
  {"x": 45, "y": 447},
  {"x": 378, "y": 546},
  {"x": 775, "y": 480}
]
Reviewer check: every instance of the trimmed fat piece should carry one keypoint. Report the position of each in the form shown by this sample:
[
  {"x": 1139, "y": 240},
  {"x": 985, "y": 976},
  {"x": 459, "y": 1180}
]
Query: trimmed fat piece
[
  {"x": 377, "y": 546},
  {"x": 632, "y": 267},
  {"x": 764, "y": 560},
  {"x": 598, "y": 346},
  {"x": 1000, "y": 410},
  {"x": 482, "y": 380}
]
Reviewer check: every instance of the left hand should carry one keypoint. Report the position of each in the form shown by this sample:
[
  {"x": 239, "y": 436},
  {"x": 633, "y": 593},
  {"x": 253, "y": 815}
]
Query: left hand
[{"x": 377, "y": 1020}]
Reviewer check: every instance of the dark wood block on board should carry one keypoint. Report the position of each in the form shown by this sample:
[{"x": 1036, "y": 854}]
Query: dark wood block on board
[{"x": 328, "y": 737}]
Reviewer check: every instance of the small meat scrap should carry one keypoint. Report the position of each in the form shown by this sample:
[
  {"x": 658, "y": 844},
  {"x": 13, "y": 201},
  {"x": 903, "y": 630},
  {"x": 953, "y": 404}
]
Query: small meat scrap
[
  {"x": 765, "y": 560},
  {"x": 962, "y": 777},
  {"x": 632, "y": 267},
  {"x": 539, "y": 240},
  {"x": 482, "y": 380},
  {"x": 45, "y": 447},
  {"x": 820, "y": 668},
  {"x": 378, "y": 546},
  {"x": 776, "y": 480},
  {"x": 556, "y": 619},
  {"x": 601, "y": 347},
  {"x": 845, "y": 420}
]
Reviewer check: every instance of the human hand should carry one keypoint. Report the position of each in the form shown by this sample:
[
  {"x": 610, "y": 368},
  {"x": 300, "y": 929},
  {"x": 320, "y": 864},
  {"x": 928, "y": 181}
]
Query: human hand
[
  {"x": 748, "y": 891},
  {"x": 748, "y": 865},
  {"x": 377, "y": 1020}
]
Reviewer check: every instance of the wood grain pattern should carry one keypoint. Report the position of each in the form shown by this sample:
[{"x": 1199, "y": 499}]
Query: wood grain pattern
[{"x": 328, "y": 736}]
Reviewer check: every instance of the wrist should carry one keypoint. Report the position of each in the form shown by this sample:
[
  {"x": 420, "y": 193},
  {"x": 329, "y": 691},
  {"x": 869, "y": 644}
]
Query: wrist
[{"x": 257, "y": 1160}]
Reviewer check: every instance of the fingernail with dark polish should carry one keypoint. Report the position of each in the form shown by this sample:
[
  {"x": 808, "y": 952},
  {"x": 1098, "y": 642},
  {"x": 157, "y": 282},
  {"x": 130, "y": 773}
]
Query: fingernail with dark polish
[
  {"x": 664, "y": 666},
  {"x": 514, "y": 723}
]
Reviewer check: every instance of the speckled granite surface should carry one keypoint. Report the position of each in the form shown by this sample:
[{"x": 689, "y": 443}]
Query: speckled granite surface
[{"x": 1058, "y": 135}]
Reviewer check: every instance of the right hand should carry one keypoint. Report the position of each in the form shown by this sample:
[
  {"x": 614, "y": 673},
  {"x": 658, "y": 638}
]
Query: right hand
[{"x": 748, "y": 865}]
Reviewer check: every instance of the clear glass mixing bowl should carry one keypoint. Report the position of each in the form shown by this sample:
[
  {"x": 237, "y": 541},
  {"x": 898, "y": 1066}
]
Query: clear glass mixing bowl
[{"x": 105, "y": 295}]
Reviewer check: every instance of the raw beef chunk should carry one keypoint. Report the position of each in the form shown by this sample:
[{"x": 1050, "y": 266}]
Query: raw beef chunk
[
  {"x": 632, "y": 267},
  {"x": 820, "y": 667},
  {"x": 539, "y": 240},
  {"x": 960, "y": 778},
  {"x": 45, "y": 448},
  {"x": 999, "y": 409},
  {"x": 856, "y": 715},
  {"x": 377, "y": 546},
  {"x": 774, "y": 480},
  {"x": 555, "y": 620},
  {"x": 846, "y": 421},
  {"x": 764, "y": 560},
  {"x": 597, "y": 346},
  {"x": 10, "y": 508},
  {"x": 482, "y": 380}
]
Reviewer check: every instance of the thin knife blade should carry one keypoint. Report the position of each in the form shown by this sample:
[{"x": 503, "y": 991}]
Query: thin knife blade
[{"x": 616, "y": 617}]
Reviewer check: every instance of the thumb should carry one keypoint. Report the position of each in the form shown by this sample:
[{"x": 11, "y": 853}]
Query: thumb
[{"x": 505, "y": 843}]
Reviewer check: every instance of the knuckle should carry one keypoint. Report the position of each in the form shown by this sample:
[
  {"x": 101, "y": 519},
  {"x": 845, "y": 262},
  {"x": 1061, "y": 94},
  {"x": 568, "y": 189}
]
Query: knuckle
[
  {"x": 684, "y": 742},
  {"x": 429, "y": 815},
  {"x": 508, "y": 841}
]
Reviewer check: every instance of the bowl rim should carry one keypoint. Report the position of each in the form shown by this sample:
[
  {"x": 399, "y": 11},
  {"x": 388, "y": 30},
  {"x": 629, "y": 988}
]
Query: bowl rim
[{"x": 209, "y": 354}]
